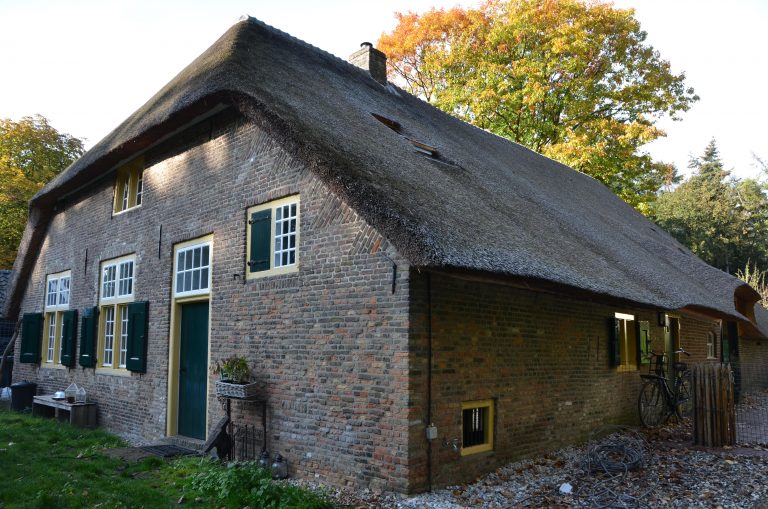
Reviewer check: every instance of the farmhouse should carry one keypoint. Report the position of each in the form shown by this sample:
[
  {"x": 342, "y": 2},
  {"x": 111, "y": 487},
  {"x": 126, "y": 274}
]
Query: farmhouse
[{"x": 420, "y": 300}]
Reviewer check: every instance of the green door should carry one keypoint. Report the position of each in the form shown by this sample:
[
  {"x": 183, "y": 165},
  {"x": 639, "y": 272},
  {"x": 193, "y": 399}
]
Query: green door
[
  {"x": 193, "y": 370},
  {"x": 672, "y": 343}
]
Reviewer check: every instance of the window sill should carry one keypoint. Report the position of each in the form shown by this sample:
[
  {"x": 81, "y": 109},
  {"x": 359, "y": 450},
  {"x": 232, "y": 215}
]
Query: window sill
[
  {"x": 51, "y": 365},
  {"x": 113, "y": 372},
  {"x": 125, "y": 210},
  {"x": 476, "y": 449},
  {"x": 250, "y": 276}
]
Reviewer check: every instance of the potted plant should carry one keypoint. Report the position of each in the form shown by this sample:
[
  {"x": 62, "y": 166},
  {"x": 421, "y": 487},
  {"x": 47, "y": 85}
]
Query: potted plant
[{"x": 235, "y": 379}]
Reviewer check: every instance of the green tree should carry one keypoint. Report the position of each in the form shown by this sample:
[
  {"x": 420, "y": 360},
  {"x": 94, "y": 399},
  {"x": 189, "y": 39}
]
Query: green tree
[
  {"x": 575, "y": 81},
  {"x": 721, "y": 219},
  {"x": 32, "y": 152}
]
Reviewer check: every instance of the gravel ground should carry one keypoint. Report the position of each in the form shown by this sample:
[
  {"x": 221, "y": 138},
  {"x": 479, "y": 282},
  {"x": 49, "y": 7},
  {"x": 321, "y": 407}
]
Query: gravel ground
[{"x": 668, "y": 471}]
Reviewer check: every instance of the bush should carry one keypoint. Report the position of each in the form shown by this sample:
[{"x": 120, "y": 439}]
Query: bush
[{"x": 247, "y": 484}]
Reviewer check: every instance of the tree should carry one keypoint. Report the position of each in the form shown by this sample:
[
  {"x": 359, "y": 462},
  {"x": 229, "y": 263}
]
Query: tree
[
  {"x": 755, "y": 278},
  {"x": 32, "y": 152},
  {"x": 572, "y": 80},
  {"x": 721, "y": 219}
]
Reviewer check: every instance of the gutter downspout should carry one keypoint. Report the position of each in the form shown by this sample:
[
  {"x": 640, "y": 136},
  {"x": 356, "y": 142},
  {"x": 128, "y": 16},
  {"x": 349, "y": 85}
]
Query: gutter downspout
[{"x": 429, "y": 377}]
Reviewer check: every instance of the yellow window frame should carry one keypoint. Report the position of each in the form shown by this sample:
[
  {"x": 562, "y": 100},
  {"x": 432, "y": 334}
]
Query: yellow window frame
[
  {"x": 487, "y": 445},
  {"x": 120, "y": 305},
  {"x": 273, "y": 205},
  {"x": 127, "y": 186},
  {"x": 56, "y": 311},
  {"x": 628, "y": 342}
]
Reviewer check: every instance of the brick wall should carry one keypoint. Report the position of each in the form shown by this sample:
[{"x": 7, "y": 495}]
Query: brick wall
[
  {"x": 329, "y": 342},
  {"x": 543, "y": 359}
]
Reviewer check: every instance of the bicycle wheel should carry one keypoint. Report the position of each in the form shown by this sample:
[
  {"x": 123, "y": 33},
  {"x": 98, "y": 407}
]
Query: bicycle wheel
[
  {"x": 651, "y": 405},
  {"x": 684, "y": 406}
]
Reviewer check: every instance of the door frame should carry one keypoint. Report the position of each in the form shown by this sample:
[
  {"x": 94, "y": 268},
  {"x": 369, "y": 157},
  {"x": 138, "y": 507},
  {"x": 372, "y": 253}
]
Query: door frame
[{"x": 174, "y": 340}]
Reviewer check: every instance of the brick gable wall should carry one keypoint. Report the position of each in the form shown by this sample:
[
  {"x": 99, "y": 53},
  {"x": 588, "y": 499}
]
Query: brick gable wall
[{"x": 329, "y": 343}]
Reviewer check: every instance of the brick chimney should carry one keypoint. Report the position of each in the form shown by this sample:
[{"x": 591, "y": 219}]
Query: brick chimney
[{"x": 372, "y": 60}]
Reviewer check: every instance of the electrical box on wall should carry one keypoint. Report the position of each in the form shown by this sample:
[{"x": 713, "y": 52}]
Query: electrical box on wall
[{"x": 431, "y": 432}]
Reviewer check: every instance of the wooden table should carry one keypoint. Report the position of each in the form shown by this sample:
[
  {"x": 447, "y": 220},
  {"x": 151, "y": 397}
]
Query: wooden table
[{"x": 78, "y": 414}]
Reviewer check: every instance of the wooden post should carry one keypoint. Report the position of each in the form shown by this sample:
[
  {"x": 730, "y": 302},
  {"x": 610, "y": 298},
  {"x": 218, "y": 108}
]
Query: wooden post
[{"x": 714, "y": 411}]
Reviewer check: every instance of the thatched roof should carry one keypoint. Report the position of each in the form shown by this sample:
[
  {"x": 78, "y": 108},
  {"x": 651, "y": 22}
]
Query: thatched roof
[{"x": 484, "y": 205}]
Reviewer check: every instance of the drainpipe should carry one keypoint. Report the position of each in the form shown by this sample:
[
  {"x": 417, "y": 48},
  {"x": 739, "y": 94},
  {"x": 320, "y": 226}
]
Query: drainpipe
[{"x": 429, "y": 376}]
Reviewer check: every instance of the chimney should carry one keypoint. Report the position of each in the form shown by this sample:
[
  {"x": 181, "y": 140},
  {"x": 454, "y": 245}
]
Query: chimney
[{"x": 372, "y": 60}]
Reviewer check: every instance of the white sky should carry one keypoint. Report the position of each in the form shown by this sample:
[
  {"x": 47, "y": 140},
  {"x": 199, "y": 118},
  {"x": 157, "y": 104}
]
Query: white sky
[{"x": 86, "y": 65}]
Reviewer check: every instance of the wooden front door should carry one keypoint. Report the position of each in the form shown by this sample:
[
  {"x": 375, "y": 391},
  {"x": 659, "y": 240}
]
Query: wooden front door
[{"x": 193, "y": 370}]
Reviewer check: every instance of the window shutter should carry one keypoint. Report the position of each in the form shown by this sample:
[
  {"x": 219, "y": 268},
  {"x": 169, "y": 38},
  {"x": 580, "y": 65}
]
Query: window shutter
[
  {"x": 88, "y": 330},
  {"x": 614, "y": 334},
  {"x": 137, "y": 337},
  {"x": 643, "y": 342},
  {"x": 261, "y": 242},
  {"x": 31, "y": 336},
  {"x": 68, "y": 336}
]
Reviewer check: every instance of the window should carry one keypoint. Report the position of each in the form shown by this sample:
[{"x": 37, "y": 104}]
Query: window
[
  {"x": 273, "y": 238},
  {"x": 711, "y": 345},
  {"x": 476, "y": 426},
  {"x": 57, "y": 287},
  {"x": 193, "y": 270},
  {"x": 117, "y": 286},
  {"x": 624, "y": 342},
  {"x": 129, "y": 186}
]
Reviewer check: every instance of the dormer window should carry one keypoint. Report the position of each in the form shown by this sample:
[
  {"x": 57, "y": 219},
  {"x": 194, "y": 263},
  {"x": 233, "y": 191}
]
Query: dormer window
[{"x": 129, "y": 186}]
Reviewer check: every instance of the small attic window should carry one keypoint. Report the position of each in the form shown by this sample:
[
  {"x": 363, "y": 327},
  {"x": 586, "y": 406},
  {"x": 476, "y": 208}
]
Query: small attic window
[
  {"x": 420, "y": 147},
  {"x": 424, "y": 148},
  {"x": 392, "y": 124}
]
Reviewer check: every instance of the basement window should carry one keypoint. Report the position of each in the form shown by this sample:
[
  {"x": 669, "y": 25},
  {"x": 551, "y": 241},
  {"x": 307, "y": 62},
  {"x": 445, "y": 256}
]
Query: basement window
[{"x": 476, "y": 426}]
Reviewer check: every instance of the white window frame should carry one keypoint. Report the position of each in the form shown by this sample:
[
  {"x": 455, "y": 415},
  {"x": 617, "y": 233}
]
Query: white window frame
[
  {"x": 194, "y": 271},
  {"x": 58, "y": 295},
  {"x": 115, "y": 268},
  {"x": 711, "y": 345},
  {"x": 129, "y": 187},
  {"x": 116, "y": 291},
  {"x": 275, "y": 269}
]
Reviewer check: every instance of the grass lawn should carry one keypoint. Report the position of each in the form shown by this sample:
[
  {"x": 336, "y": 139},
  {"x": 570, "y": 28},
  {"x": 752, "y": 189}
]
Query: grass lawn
[{"x": 46, "y": 464}]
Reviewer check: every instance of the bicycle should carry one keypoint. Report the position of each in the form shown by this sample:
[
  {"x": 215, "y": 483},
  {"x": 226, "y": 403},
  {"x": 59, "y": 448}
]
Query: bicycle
[{"x": 657, "y": 401}]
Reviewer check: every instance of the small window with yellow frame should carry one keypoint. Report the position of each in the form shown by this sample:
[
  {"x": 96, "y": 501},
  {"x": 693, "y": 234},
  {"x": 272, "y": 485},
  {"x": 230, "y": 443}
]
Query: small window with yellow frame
[
  {"x": 476, "y": 426},
  {"x": 129, "y": 186}
]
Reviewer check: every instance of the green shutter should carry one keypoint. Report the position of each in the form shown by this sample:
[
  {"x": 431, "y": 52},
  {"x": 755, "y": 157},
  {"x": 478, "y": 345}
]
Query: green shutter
[
  {"x": 31, "y": 337},
  {"x": 137, "y": 337},
  {"x": 261, "y": 240},
  {"x": 68, "y": 337},
  {"x": 614, "y": 334},
  {"x": 88, "y": 331}
]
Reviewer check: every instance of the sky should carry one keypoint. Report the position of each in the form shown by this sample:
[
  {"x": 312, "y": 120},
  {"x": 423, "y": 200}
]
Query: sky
[{"x": 86, "y": 65}]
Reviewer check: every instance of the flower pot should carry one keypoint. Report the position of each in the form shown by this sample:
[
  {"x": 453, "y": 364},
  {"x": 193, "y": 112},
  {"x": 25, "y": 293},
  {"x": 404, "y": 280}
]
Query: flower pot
[{"x": 229, "y": 389}]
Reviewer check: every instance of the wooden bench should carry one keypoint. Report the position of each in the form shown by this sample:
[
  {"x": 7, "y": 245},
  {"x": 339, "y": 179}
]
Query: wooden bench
[{"x": 77, "y": 414}]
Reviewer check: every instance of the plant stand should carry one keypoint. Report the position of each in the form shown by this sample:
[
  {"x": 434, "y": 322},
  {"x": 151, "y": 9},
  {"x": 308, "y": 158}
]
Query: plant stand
[{"x": 254, "y": 400}]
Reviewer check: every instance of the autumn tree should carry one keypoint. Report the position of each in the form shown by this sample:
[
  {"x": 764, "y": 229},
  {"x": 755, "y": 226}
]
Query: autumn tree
[
  {"x": 722, "y": 219},
  {"x": 575, "y": 81},
  {"x": 32, "y": 152}
]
